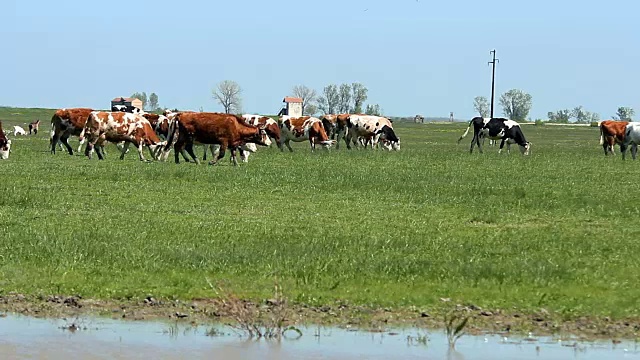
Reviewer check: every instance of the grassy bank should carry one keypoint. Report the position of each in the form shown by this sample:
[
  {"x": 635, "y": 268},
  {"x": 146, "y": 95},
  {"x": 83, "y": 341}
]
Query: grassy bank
[{"x": 557, "y": 229}]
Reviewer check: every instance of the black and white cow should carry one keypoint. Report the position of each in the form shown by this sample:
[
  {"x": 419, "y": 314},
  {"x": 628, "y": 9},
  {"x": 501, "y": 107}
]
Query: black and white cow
[
  {"x": 497, "y": 129},
  {"x": 126, "y": 108}
]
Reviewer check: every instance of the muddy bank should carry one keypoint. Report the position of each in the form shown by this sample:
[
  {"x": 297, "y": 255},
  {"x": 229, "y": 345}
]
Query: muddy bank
[{"x": 210, "y": 311}]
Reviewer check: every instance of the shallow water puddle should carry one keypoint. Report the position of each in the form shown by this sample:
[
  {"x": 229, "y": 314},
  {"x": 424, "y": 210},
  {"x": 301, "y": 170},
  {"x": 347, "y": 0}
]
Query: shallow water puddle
[{"x": 30, "y": 338}]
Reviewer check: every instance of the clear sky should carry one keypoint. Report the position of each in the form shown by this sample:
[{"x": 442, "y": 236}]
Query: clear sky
[{"x": 414, "y": 56}]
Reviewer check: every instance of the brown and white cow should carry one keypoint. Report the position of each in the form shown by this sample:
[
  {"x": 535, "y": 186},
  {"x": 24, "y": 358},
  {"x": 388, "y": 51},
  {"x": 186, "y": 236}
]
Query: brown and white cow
[
  {"x": 102, "y": 126},
  {"x": 5, "y": 144},
  {"x": 301, "y": 129},
  {"x": 271, "y": 126},
  {"x": 227, "y": 130},
  {"x": 370, "y": 129},
  {"x": 611, "y": 132},
  {"x": 67, "y": 122}
]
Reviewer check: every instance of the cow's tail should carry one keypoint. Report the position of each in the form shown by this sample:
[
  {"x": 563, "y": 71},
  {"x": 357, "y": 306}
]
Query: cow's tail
[
  {"x": 601, "y": 134},
  {"x": 172, "y": 137},
  {"x": 466, "y": 132}
]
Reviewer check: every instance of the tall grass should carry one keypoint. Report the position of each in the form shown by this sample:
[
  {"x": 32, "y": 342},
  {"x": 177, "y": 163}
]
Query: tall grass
[{"x": 368, "y": 227}]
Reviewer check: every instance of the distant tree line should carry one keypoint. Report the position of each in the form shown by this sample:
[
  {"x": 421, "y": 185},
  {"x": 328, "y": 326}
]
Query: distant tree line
[
  {"x": 148, "y": 103},
  {"x": 515, "y": 104},
  {"x": 343, "y": 98}
]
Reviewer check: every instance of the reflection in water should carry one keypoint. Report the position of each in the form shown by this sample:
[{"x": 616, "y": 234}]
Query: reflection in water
[
  {"x": 453, "y": 354},
  {"x": 24, "y": 337}
]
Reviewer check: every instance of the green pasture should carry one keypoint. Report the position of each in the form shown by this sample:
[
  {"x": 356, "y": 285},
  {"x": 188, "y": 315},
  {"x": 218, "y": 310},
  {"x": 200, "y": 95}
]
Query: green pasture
[{"x": 558, "y": 229}]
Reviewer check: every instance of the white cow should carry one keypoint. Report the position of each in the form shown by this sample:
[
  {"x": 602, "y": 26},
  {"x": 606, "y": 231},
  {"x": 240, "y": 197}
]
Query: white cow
[
  {"x": 18, "y": 130},
  {"x": 371, "y": 129},
  {"x": 631, "y": 137}
]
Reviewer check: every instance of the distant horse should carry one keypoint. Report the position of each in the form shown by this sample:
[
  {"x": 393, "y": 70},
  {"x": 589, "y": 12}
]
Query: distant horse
[{"x": 33, "y": 127}]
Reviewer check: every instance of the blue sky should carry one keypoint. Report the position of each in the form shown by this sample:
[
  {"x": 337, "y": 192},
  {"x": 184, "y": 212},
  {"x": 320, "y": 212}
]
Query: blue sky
[{"x": 414, "y": 56}]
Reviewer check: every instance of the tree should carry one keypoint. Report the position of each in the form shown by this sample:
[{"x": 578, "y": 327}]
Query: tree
[
  {"x": 624, "y": 113},
  {"x": 481, "y": 104},
  {"x": 153, "y": 102},
  {"x": 359, "y": 97},
  {"x": 373, "y": 110},
  {"x": 312, "y": 109},
  {"x": 560, "y": 116},
  {"x": 580, "y": 114},
  {"x": 227, "y": 93},
  {"x": 329, "y": 103},
  {"x": 142, "y": 97},
  {"x": 307, "y": 95},
  {"x": 516, "y": 104},
  {"x": 344, "y": 103}
]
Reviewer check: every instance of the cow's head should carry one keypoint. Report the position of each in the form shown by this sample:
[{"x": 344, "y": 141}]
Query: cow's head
[
  {"x": 526, "y": 149},
  {"x": 5, "y": 148},
  {"x": 388, "y": 137},
  {"x": 260, "y": 137},
  {"x": 156, "y": 150}
]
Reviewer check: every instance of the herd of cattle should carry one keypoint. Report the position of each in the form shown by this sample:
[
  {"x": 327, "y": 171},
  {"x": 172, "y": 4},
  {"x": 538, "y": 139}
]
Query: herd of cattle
[{"x": 181, "y": 130}]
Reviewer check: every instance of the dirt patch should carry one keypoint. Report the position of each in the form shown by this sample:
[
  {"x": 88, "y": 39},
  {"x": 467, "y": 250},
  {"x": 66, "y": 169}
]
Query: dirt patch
[{"x": 209, "y": 311}]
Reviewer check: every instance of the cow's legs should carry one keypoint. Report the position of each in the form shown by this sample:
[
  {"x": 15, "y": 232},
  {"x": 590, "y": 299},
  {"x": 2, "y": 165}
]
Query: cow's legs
[
  {"x": 80, "y": 145},
  {"x": 475, "y": 142},
  {"x": 501, "y": 145},
  {"x": 233, "y": 156},
  {"x": 189, "y": 148},
  {"x": 139, "y": 147},
  {"x": 55, "y": 137},
  {"x": 124, "y": 149},
  {"x": 288, "y": 145},
  {"x": 64, "y": 139},
  {"x": 223, "y": 149},
  {"x": 244, "y": 155},
  {"x": 634, "y": 150},
  {"x": 623, "y": 150},
  {"x": 278, "y": 143},
  {"x": 312, "y": 143},
  {"x": 206, "y": 148}
]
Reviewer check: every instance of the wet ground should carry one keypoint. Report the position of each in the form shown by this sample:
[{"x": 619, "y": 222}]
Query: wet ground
[{"x": 23, "y": 337}]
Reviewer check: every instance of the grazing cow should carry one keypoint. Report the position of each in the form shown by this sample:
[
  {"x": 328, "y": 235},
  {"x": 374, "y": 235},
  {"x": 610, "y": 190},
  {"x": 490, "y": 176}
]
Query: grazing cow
[
  {"x": 497, "y": 129},
  {"x": 330, "y": 123},
  {"x": 5, "y": 145},
  {"x": 612, "y": 132},
  {"x": 227, "y": 130},
  {"x": 371, "y": 129},
  {"x": 301, "y": 129},
  {"x": 67, "y": 122},
  {"x": 116, "y": 127},
  {"x": 271, "y": 126},
  {"x": 34, "y": 126},
  {"x": 631, "y": 137},
  {"x": 18, "y": 130}
]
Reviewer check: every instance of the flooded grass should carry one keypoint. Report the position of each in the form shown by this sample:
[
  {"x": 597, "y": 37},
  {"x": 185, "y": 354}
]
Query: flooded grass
[{"x": 547, "y": 237}]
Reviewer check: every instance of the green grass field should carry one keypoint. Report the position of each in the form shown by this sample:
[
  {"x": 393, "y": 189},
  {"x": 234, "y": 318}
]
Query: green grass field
[{"x": 557, "y": 229}]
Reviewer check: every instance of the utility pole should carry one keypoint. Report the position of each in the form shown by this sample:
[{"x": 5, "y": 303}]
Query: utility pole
[{"x": 493, "y": 77}]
